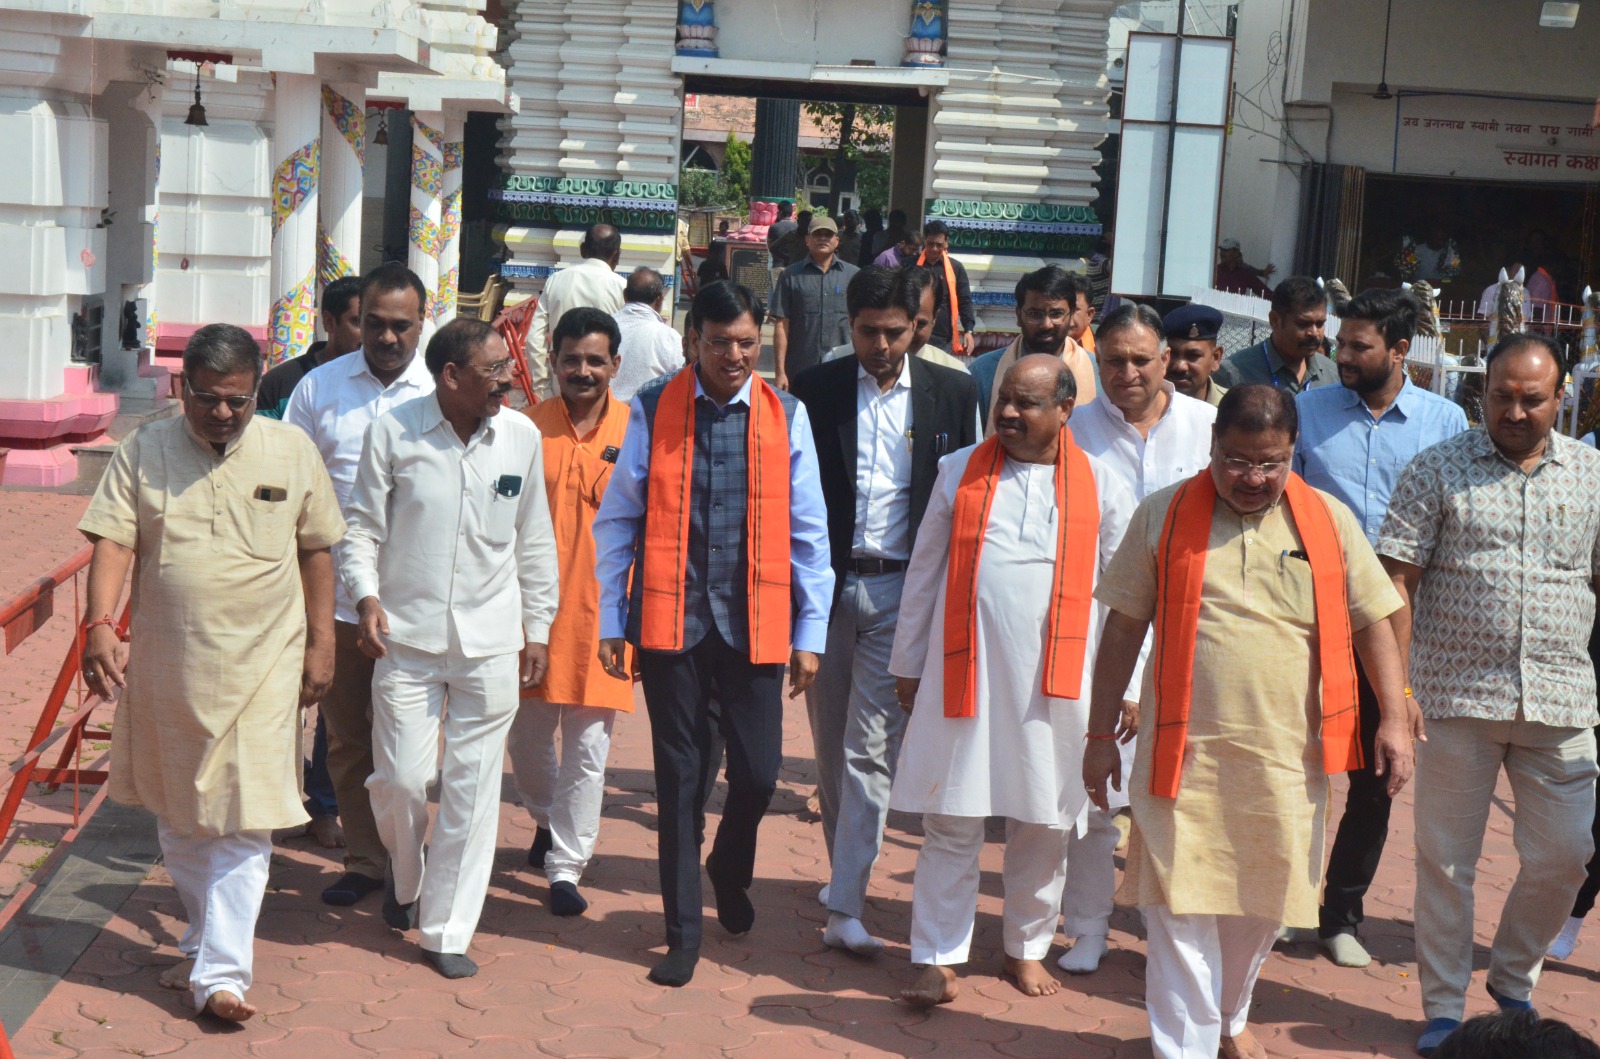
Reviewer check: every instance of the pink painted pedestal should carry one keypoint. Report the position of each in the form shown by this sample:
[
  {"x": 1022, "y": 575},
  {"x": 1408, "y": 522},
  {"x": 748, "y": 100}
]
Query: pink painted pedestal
[{"x": 40, "y": 433}]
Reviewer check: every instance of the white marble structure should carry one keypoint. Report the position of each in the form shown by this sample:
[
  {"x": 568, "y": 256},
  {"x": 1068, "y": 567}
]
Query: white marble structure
[
  {"x": 1014, "y": 117},
  {"x": 112, "y": 198}
]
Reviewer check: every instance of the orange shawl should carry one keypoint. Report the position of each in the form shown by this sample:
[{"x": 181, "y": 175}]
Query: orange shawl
[
  {"x": 666, "y": 522},
  {"x": 1180, "y": 571},
  {"x": 955, "y": 308},
  {"x": 1071, "y": 596}
]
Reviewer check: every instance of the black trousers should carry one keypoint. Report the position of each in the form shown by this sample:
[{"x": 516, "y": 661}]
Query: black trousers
[
  {"x": 678, "y": 691},
  {"x": 1358, "y": 845}
]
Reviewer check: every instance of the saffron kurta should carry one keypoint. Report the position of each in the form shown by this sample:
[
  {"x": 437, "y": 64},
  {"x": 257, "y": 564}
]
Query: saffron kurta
[
  {"x": 1245, "y": 834},
  {"x": 1021, "y": 756},
  {"x": 207, "y": 732},
  {"x": 576, "y": 473}
]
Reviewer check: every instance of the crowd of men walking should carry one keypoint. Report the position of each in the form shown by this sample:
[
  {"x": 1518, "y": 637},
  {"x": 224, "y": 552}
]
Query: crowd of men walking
[{"x": 1049, "y": 585}]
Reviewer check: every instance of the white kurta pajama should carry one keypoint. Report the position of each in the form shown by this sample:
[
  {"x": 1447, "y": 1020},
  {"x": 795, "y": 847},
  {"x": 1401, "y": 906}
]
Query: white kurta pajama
[{"x": 1021, "y": 756}]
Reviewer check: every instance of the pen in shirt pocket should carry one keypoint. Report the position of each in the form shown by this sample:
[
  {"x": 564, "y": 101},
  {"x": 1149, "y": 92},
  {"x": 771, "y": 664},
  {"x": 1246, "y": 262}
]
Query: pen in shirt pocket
[{"x": 1287, "y": 554}]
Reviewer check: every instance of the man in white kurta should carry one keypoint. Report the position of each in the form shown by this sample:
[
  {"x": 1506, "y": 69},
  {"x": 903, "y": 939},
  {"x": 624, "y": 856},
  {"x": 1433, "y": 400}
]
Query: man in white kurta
[
  {"x": 1150, "y": 436},
  {"x": 452, "y": 562},
  {"x": 1020, "y": 756},
  {"x": 227, "y": 520}
]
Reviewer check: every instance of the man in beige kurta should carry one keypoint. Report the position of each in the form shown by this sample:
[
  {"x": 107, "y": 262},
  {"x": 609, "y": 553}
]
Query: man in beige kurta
[
  {"x": 226, "y": 520},
  {"x": 1239, "y": 851}
]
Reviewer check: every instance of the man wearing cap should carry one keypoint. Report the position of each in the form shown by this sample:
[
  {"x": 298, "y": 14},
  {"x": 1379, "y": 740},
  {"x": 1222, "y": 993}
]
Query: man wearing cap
[
  {"x": 809, "y": 316},
  {"x": 1234, "y": 275},
  {"x": 1193, "y": 353}
]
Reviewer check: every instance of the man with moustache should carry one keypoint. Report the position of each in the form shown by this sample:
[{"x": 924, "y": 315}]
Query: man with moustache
[
  {"x": 995, "y": 643},
  {"x": 1046, "y": 301},
  {"x": 452, "y": 562},
  {"x": 1292, "y": 355},
  {"x": 1260, "y": 589},
  {"x": 882, "y": 421},
  {"x": 920, "y": 282},
  {"x": 716, "y": 510},
  {"x": 808, "y": 304},
  {"x": 334, "y": 405},
  {"x": 953, "y": 314},
  {"x": 1193, "y": 353},
  {"x": 1150, "y": 436},
  {"x": 582, "y": 435},
  {"x": 226, "y": 521},
  {"x": 1355, "y": 439},
  {"x": 1493, "y": 539}
]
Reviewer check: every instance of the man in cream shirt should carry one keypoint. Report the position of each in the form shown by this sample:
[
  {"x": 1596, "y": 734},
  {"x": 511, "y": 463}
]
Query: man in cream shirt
[
  {"x": 452, "y": 564},
  {"x": 593, "y": 282}
]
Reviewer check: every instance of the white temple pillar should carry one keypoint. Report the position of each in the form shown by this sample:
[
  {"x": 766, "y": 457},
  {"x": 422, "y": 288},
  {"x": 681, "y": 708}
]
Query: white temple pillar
[
  {"x": 339, "y": 184},
  {"x": 426, "y": 227},
  {"x": 296, "y": 149}
]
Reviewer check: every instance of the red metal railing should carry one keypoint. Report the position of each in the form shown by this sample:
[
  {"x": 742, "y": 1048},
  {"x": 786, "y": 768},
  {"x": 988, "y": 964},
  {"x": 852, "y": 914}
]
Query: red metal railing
[{"x": 513, "y": 325}]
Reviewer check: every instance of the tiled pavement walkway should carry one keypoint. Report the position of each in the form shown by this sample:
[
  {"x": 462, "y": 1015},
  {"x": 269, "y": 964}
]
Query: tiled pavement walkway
[{"x": 333, "y": 982}]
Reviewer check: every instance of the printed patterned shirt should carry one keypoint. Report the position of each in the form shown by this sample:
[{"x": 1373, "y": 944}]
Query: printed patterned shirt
[{"x": 1501, "y": 618}]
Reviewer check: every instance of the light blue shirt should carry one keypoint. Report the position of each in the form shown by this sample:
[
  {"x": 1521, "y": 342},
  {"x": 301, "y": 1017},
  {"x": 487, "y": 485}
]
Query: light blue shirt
[
  {"x": 619, "y": 527},
  {"x": 1344, "y": 451}
]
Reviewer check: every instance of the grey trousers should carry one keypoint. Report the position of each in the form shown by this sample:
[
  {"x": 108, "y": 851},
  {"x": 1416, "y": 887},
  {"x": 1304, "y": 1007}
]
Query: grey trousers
[
  {"x": 856, "y": 726},
  {"x": 1552, "y": 773}
]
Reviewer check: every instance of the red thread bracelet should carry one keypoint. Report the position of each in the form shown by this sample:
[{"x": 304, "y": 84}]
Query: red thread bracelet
[
  {"x": 107, "y": 620},
  {"x": 1097, "y": 737}
]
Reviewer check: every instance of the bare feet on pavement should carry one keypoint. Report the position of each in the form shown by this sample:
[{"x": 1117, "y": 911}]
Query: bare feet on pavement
[
  {"x": 1243, "y": 1046},
  {"x": 224, "y": 1005},
  {"x": 1031, "y": 977},
  {"x": 327, "y": 832},
  {"x": 935, "y": 985},
  {"x": 177, "y": 975}
]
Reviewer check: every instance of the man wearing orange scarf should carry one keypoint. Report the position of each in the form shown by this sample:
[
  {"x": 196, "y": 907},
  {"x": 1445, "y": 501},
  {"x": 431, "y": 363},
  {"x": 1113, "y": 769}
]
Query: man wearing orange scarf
[
  {"x": 1261, "y": 590},
  {"x": 716, "y": 508},
  {"x": 994, "y": 648}
]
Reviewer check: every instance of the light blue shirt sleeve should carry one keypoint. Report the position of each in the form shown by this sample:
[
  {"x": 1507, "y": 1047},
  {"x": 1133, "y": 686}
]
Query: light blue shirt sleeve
[
  {"x": 809, "y": 555},
  {"x": 619, "y": 524}
]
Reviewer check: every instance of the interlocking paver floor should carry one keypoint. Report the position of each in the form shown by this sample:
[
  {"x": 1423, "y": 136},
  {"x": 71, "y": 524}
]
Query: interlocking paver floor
[{"x": 337, "y": 982}]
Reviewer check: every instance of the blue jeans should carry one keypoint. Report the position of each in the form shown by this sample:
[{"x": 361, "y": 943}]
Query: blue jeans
[{"x": 320, "y": 799}]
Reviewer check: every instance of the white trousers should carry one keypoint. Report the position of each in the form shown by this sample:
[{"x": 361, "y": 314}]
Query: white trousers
[
  {"x": 221, "y": 882},
  {"x": 563, "y": 796},
  {"x": 1198, "y": 978},
  {"x": 1089, "y": 893},
  {"x": 414, "y": 695},
  {"x": 944, "y": 895}
]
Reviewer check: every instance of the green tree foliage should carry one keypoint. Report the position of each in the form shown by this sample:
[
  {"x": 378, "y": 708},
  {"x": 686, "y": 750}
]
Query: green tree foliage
[
  {"x": 862, "y": 136},
  {"x": 736, "y": 171}
]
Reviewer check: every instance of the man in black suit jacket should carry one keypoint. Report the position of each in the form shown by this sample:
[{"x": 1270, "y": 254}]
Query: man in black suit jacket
[{"x": 882, "y": 420}]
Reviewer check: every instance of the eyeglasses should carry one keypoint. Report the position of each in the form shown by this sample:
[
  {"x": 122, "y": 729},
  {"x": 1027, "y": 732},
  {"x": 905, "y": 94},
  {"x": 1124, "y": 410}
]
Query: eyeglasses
[
  {"x": 497, "y": 369},
  {"x": 210, "y": 401},
  {"x": 724, "y": 346},
  {"x": 1244, "y": 468},
  {"x": 1038, "y": 316}
]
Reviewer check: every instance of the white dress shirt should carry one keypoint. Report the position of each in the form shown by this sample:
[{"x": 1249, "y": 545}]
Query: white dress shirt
[
  {"x": 619, "y": 525},
  {"x": 590, "y": 282},
  {"x": 454, "y": 540},
  {"x": 883, "y": 467},
  {"x": 650, "y": 348},
  {"x": 335, "y": 404},
  {"x": 1178, "y": 447}
]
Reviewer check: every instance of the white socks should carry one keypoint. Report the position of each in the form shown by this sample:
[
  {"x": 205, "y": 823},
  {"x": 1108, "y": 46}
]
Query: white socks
[
  {"x": 822, "y": 895},
  {"x": 1084, "y": 956},
  {"x": 846, "y": 932},
  {"x": 1567, "y": 940}
]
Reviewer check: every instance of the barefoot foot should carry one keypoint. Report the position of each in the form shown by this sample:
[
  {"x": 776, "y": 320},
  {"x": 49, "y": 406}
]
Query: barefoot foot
[
  {"x": 177, "y": 975},
  {"x": 1031, "y": 977},
  {"x": 935, "y": 985},
  {"x": 1242, "y": 1045},
  {"x": 224, "y": 1005}
]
